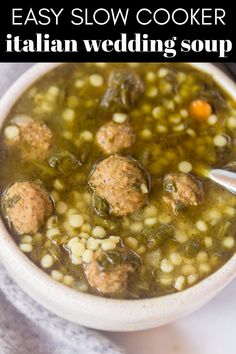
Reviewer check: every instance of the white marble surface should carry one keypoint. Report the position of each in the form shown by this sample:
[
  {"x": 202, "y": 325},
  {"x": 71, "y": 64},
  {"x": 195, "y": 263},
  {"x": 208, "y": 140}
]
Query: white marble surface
[{"x": 210, "y": 330}]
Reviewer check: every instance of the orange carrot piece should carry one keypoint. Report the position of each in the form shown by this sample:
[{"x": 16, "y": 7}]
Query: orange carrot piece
[{"x": 200, "y": 110}]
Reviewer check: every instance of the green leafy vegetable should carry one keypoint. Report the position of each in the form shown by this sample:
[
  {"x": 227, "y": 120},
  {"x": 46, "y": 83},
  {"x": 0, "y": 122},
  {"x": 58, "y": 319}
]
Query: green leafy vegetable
[
  {"x": 10, "y": 202},
  {"x": 191, "y": 248},
  {"x": 159, "y": 234},
  {"x": 64, "y": 162},
  {"x": 101, "y": 207}
]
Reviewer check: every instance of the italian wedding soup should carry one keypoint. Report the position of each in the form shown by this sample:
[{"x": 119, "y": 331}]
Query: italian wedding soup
[{"x": 103, "y": 177}]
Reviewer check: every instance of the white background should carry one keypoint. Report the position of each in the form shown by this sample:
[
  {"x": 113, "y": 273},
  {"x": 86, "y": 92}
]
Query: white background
[{"x": 210, "y": 330}]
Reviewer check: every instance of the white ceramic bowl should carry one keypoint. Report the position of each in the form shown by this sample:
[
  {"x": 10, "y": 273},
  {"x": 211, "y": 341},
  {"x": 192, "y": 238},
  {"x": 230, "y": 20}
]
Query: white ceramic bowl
[{"x": 94, "y": 311}]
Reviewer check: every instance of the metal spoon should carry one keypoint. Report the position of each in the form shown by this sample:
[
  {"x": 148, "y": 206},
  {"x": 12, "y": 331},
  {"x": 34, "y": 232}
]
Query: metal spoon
[{"x": 224, "y": 178}]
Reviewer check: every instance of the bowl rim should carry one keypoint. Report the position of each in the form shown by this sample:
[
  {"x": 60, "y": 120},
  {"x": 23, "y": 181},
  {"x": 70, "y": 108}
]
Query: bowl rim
[{"x": 215, "y": 281}]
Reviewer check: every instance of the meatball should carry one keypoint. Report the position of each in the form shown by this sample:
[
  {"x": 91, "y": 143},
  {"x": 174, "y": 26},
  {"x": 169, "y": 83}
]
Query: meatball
[
  {"x": 113, "y": 138},
  {"x": 124, "y": 90},
  {"x": 184, "y": 190},
  {"x": 108, "y": 272},
  {"x": 121, "y": 183},
  {"x": 26, "y": 206},
  {"x": 34, "y": 139}
]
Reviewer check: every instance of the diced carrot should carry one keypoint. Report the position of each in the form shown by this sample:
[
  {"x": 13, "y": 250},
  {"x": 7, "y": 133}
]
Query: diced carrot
[{"x": 200, "y": 110}]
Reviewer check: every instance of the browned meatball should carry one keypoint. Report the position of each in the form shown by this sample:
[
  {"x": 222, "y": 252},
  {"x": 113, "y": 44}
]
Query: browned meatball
[
  {"x": 113, "y": 138},
  {"x": 121, "y": 182},
  {"x": 184, "y": 190},
  {"x": 26, "y": 205},
  {"x": 124, "y": 89},
  {"x": 34, "y": 140},
  {"x": 108, "y": 272}
]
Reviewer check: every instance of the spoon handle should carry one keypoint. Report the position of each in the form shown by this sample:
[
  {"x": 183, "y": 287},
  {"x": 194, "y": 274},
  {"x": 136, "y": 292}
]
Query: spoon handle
[{"x": 226, "y": 179}]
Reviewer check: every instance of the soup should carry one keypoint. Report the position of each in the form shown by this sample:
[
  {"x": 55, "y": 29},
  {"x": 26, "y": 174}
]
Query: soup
[{"x": 103, "y": 177}]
